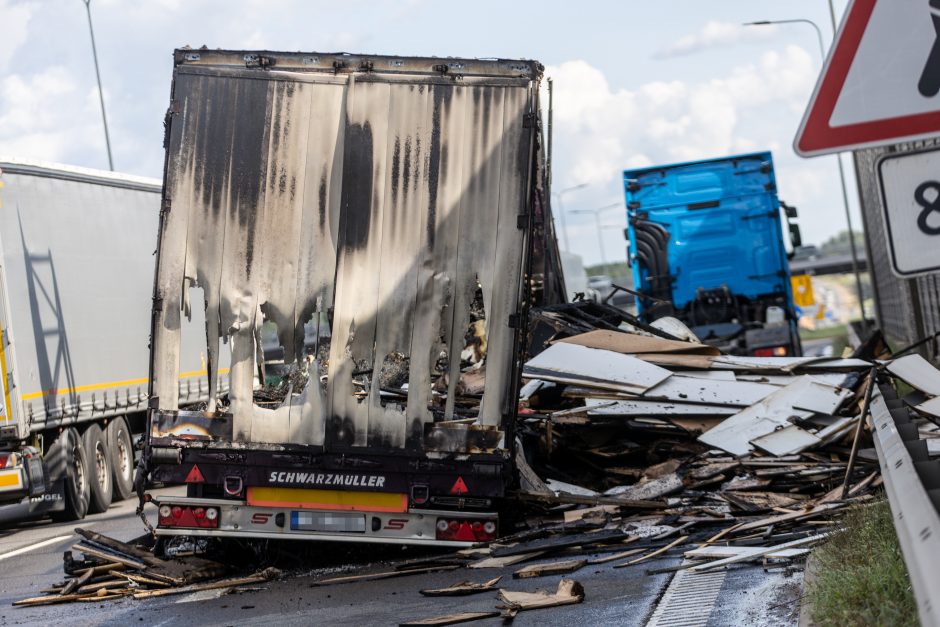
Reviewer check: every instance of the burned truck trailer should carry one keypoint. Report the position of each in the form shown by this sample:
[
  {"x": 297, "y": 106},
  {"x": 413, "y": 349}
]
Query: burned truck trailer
[{"x": 374, "y": 215}]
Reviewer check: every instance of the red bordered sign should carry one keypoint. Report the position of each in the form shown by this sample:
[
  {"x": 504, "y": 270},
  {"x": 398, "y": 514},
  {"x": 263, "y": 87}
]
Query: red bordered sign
[{"x": 881, "y": 81}]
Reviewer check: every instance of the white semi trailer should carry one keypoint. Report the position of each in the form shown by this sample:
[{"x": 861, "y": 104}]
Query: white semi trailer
[{"x": 76, "y": 270}]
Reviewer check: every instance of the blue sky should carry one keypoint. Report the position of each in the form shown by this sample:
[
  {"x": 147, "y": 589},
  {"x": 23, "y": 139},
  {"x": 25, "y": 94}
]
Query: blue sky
[{"x": 636, "y": 82}]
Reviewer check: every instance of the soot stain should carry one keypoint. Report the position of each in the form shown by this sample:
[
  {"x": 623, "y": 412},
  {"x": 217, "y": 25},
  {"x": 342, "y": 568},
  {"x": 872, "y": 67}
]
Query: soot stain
[
  {"x": 321, "y": 198},
  {"x": 357, "y": 185},
  {"x": 440, "y": 94},
  {"x": 406, "y": 169},
  {"x": 249, "y": 156},
  {"x": 396, "y": 169}
]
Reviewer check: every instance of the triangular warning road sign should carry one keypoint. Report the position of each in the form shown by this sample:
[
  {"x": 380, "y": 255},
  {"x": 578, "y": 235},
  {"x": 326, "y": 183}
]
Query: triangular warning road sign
[
  {"x": 881, "y": 81},
  {"x": 195, "y": 475},
  {"x": 459, "y": 487}
]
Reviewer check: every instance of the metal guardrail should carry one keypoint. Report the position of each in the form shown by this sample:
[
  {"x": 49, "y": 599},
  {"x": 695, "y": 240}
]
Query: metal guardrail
[{"x": 906, "y": 468}]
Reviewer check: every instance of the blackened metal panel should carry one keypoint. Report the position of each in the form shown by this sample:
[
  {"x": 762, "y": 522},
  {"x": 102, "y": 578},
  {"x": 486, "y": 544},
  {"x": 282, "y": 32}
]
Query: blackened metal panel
[
  {"x": 352, "y": 351},
  {"x": 316, "y": 251},
  {"x": 478, "y": 221},
  {"x": 404, "y": 230},
  {"x": 448, "y": 172},
  {"x": 508, "y": 253}
]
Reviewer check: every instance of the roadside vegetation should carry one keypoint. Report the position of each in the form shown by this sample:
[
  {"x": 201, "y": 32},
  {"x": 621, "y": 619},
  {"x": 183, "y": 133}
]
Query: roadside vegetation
[{"x": 860, "y": 577}]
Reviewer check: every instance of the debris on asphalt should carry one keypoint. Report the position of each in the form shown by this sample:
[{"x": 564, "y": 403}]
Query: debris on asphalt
[
  {"x": 553, "y": 568},
  {"x": 451, "y": 619},
  {"x": 569, "y": 591},
  {"x": 463, "y": 588}
]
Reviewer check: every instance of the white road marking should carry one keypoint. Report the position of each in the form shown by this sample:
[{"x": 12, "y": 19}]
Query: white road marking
[{"x": 33, "y": 547}]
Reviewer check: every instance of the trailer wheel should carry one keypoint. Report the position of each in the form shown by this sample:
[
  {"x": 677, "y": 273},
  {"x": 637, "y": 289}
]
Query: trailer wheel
[
  {"x": 76, "y": 476},
  {"x": 122, "y": 458},
  {"x": 99, "y": 469}
]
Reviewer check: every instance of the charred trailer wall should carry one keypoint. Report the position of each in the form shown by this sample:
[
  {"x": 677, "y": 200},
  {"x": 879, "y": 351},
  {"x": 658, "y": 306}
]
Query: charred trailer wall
[{"x": 375, "y": 200}]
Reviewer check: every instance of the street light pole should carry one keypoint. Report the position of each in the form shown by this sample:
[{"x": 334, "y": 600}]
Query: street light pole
[
  {"x": 561, "y": 210},
  {"x": 845, "y": 193},
  {"x": 597, "y": 224},
  {"x": 94, "y": 54}
]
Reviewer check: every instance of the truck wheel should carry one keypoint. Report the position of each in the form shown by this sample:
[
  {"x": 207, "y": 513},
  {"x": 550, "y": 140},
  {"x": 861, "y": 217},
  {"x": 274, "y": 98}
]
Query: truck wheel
[
  {"x": 122, "y": 458},
  {"x": 76, "y": 477},
  {"x": 99, "y": 469}
]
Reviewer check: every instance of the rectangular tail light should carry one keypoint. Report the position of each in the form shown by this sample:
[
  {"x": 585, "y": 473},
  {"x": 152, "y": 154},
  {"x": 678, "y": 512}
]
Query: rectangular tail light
[
  {"x": 192, "y": 517},
  {"x": 465, "y": 530}
]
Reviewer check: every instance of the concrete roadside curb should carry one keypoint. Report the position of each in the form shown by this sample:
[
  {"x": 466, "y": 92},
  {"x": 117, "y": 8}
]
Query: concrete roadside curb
[{"x": 806, "y": 606}]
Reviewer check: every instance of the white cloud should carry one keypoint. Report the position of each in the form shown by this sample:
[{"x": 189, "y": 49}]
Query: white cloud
[
  {"x": 716, "y": 34},
  {"x": 31, "y": 114},
  {"x": 14, "y": 23},
  {"x": 603, "y": 129}
]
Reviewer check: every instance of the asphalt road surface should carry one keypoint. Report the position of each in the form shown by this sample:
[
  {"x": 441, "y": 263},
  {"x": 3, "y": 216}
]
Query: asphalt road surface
[{"x": 31, "y": 559}]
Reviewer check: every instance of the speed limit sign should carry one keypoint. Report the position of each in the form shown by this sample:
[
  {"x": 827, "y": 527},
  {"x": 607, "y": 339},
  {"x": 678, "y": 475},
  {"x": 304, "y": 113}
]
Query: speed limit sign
[{"x": 910, "y": 193}]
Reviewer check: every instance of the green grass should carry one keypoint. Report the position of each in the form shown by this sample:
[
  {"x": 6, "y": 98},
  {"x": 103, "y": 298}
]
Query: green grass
[{"x": 860, "y": 577}]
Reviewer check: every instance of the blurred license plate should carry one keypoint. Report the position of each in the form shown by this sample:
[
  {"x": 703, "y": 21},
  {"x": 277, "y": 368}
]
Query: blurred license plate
[{"x": 328, "y": 521}]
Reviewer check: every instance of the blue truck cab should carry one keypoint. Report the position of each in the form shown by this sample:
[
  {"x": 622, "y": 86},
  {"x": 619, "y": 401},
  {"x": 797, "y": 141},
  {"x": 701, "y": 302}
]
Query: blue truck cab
[{"x": 706, "y": 246}]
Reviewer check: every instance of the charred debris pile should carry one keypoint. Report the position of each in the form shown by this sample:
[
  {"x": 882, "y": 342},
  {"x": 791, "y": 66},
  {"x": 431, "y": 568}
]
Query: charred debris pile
[{"x": 631, "y": 434}]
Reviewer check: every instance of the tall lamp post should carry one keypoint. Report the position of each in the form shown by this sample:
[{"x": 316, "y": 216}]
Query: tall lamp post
[
  {"x": 94, "y": 54},
  {"x": 561, "y": 209},
  {"x": 845, "y": 193},
  {"x": 597, "y": 223}
]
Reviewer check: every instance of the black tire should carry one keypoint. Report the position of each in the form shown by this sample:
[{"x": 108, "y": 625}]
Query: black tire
[
  {"x": 122, "y": 458},
  {"x": 70, "y": 447},
  {"x": 100, "y": 480}
]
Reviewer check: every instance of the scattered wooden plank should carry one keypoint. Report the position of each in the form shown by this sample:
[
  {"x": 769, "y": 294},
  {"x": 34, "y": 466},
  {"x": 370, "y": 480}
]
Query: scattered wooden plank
[
  {"x": 553, "y": 568},
  {"x": 798, "y": 515},
  {"x": 569, "y": 592},
  {"x": 614, "y": 556},
  {"x": 265, "y": 575},
  {"x": 383, "y": 575},
  {"x": 463, "y": 588},
  {"x": 573, "y": 499},
  {"x": 109, "y": 557},
  {"x": 635, "y": 344},
  {"x": 76, "y": 582},
  {"x": 103, "y": 568},
  {"x": 117, "y": 546},
  {"x": 94, "y": 587},
  {"x": 721, "y": 552},
  {"x": 672, "y": 544},
  {"x": 758, "y": 553},
  {"x": 147, "y": 581},
  {"x": 450, "y": 619},
  {"x": 506, "y": 560},
  {"x": 47, "y": 600},
  {"x": 572, "y": 363},
  {"x": 105, "y": 597},
  {"x": 649, "y": 489},
  {"x": 562, "y": 542},
  {"x": 577, "y": 514}
]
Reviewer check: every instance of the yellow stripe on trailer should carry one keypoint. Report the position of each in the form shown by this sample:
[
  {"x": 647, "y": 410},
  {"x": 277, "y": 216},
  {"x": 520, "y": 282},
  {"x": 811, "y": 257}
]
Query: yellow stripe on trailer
[
  {"x": 11, "y": 479},
  {"x": 302, "y": 498},
  {"x": 110, "y": 384}
]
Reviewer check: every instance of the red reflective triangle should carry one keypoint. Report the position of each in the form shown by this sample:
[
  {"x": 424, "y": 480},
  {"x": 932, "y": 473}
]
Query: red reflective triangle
[
  {"x": 195, "y": 476},
  {"x": 459, "y": 487}
]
